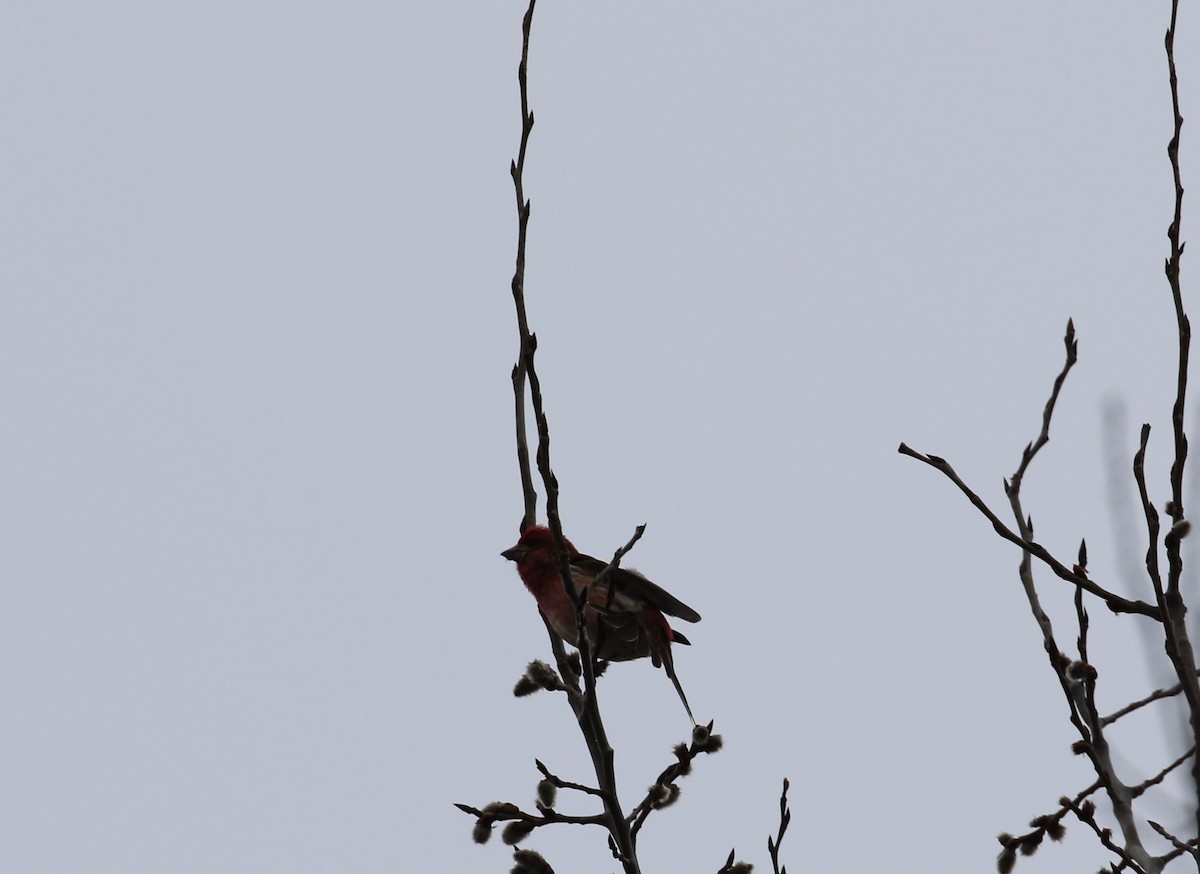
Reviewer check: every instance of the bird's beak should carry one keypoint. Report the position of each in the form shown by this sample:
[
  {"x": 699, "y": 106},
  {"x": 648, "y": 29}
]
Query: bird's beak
[{"x": 516, "y": 553}]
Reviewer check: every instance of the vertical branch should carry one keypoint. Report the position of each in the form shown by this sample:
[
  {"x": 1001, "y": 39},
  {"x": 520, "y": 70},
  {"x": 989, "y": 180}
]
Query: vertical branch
[
  {"x": 524, "y": 372},
  {"x": 1075, "y": 677},
  {"x": 1179, "y": 646},
  {"x": 1172, "y": 271},
  {"x": 517, "y": 170},
  {"x": 587, "y": 710}
]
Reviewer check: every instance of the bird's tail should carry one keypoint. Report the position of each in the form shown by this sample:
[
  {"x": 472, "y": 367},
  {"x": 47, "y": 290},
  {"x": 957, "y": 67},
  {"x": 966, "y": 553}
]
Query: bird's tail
[{"x": 668, "y": 663}]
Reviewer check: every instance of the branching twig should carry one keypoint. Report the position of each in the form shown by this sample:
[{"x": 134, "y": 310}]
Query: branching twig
[
  {"x": 664, "y": 791},
  {"x": 525, "y": 372},
  {"x": 1179, "y": 646},
  {"x": 1078, "y": 678},
  {"x": 502, "y": 811},
  {"x": 565, "y": 784},
  {"x": 1086, "y": 813},
  {"x": 1180, "y": 846},
  {"x": 1047, "y": 825},
  {"x": 785, "y": 817},
  {"x": 1114, "y": 602}
]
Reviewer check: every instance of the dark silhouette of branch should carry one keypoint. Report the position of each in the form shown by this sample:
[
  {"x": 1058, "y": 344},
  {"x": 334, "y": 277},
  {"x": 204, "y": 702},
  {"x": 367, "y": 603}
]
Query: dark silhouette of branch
[
  {"x": 733, "y": 867},
  {"x": 1047, "y": 825},
  {"x": 1179, "y": 646},
  {"x": 1114, "y": 602},
  {"x": 518, "y": 281},
  {"x": 1086, "y": 813},
  {"x": 525, "y": 373},
  {"x": 664, "y": 791},
  {"x": 1156, "y": 695},
  {"x": 1180, "y": 846},
  {"x": 1141, "y": 788},
  {"x": 575, "y": 675},
  {"x": 785, "y": 818}
]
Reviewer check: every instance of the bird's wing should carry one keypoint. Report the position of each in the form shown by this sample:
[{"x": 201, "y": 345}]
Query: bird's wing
[{"x": 637, "y": 586}]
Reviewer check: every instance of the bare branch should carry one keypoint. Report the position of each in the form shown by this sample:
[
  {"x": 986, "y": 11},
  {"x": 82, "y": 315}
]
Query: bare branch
[
  {"x": 785, "y": 817},
  {"x": 1086, "y": 813},
  {"x": 518, "y": 281},
  {"x": 1114, "y": 602},
  {"x": 564, "y": 784},
  {"x": 1161, "y": 775},
  {"x": 1179, "y": 646},
  {"x": 1047, "y": 825},
  {"x": 1156, "y": 695},
  {"x": 1043, "y": 437},
  {"x": 1189, "y": 847}
]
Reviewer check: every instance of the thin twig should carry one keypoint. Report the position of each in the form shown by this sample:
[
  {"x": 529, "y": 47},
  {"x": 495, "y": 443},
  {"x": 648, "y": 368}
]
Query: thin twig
[
  {"x": 1048, "y": 824},
  {"x": 518, "y": 281},
  {"x": 512, "y": 813},
  {"x": 1156, "y": 695},
  {"x": 1086, "y": 815},
  {"x": 785, "y": 817},
  {"x": 1043, "y": 437},
  {"x": 1114, "y": 602},
  {"x": 1189, "y": 847},
  {"x": 565, "y": 784},
  {"x": 1141, "y": 788},
  {"x": 664, "y": 790}
]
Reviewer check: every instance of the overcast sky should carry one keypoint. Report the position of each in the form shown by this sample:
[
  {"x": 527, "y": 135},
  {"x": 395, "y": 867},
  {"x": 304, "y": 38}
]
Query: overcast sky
[{"x": 257, "y": 452}]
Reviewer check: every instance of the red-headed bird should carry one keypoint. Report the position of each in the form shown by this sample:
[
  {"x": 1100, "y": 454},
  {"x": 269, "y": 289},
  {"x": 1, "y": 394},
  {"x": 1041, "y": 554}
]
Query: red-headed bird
[{"x": 623, "y": 616}]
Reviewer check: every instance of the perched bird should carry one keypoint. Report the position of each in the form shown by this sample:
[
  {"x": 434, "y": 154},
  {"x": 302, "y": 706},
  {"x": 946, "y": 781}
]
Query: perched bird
[{"x": 624, "y": 614}]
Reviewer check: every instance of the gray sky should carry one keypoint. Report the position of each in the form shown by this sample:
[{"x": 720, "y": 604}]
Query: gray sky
[{"x": 257, "y": 446}]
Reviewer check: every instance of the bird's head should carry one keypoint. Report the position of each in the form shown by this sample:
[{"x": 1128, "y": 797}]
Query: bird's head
[{"x": 536, "y": 539}]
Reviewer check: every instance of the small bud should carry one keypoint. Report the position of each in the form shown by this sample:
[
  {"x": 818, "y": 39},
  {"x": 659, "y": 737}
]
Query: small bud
[
  {"x": 482, "y": 830},
  {"x": 525, "y": 686},
  {"x": 1030, "y": 844},
  {"x": 1005, "y": 839},
  {"x": 1056, "y": 830},
  {"x": 541, "y": 673},
  {"x": 546, "y": 792},
  {"x": 1078, "y": 671},
  {"x": 664, "y": 796},
  {"x": 699, "y": 735},
  {"x": 1006, "y": 861},
  {"x": 1089, "y": 809},
  {"x": 515, "y": 832},
  {"x": 530, "y": 862},
  {"x": 713, "y": 744}
]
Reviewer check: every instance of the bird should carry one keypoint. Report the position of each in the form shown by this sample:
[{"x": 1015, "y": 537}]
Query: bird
[{"x": 624, "y": 614}]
